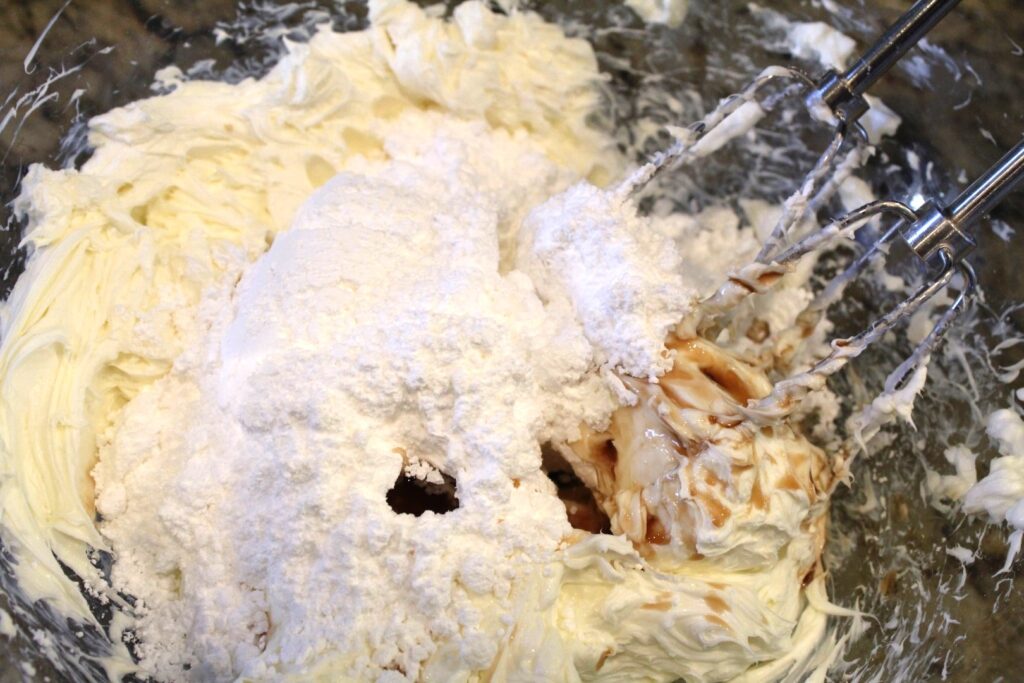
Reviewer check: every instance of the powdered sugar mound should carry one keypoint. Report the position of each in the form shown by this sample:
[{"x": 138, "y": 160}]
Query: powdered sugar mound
[
  {"x": 377, "y": 335},
  {"x": 589, "y": 247}
]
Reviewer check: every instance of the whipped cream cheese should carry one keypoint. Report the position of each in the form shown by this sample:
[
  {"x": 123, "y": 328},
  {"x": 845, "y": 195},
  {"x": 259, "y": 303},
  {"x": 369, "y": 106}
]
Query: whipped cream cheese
[
  {"x": 999, "y": 496},
  {"x": 258, "y": 307},
  {"x": 668, "y": 12}
]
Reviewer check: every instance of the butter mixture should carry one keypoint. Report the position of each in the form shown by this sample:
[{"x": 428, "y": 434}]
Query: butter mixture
[
  {"x": 262, "y": 313},
  {"x": 999, "y": 496}
]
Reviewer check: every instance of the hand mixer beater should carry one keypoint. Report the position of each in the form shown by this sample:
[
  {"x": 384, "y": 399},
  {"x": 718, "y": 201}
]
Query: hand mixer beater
[{"x": 938, "y": 234}]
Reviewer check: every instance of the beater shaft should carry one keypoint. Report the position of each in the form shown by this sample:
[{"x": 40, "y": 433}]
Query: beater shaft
[
  {"x": 942, "y": 229},
  {"x": 843, "y": 97},
  {"x": 844, "y": 94}
]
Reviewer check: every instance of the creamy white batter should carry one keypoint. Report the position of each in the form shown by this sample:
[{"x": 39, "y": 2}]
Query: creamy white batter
[
  {"x": 999, "y": 496},
  {"x": 257, "y": 305},
  {"x": 668, "y": 12}
]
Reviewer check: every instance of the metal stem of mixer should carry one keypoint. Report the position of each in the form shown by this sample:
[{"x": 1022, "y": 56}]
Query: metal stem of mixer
[
  {"x": 942, "y": 230},
  {"x": 990, "y": 189},
  {"x": 902, "y": 36},
  {"x": 844, "y": 94}
]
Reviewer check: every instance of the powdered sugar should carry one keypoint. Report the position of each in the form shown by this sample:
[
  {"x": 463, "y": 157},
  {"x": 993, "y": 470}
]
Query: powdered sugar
[
  {"x": 247, "y": 490},
  {"x": 589, "y": 249}
]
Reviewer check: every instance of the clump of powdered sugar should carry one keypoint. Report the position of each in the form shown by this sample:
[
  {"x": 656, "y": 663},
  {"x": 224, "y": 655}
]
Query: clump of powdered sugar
[
  {"x": 246, "y": 492},
  {"x": 589, "y": 249}
]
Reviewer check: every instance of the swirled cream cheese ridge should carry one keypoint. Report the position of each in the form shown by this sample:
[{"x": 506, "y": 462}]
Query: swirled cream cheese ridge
[{"x": 258, "y": 308}]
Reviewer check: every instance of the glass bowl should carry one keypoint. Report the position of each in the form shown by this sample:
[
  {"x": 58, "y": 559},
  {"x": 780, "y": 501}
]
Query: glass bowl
[{"x": 931, "y": 617}]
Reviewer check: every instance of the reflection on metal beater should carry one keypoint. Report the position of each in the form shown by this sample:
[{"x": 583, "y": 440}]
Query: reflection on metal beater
[{"x": 938, "y": 235}]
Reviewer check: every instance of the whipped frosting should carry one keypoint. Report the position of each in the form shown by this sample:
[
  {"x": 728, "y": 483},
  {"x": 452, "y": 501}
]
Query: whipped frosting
[
  {"x": 999, "y": 496},
  {"x": 669, "y": 12},
  {"x": 259, "y": 306}
]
